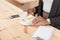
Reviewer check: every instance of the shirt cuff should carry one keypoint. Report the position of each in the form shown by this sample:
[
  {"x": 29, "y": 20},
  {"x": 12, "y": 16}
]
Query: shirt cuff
[{"x": 49, "y": 21}]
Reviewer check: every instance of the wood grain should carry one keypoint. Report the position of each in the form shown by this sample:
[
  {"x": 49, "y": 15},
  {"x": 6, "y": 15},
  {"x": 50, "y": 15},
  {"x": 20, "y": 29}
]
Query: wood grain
[{"x": 11, "y": 29}]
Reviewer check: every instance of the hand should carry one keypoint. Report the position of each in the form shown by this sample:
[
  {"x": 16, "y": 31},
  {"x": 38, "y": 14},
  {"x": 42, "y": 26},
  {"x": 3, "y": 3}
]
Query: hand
[
  {"x": 40, "y": 21},
  {"x": 31, "y": 11}
]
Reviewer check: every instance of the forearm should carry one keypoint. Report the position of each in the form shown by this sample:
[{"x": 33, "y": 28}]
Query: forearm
[{"x": 55, "y": 22}]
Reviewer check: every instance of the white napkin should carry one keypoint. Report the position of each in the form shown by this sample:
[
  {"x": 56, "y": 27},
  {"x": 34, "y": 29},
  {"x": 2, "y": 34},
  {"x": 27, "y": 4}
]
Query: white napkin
[{"x": 44, "y": 32}]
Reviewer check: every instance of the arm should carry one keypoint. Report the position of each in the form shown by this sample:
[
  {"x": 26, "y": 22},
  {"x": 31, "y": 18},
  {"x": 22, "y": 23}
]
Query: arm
[
  {"x": 39, "y": 9},
  {"x": 25, "y": 1},
  {"x": 55, "y": 22}
]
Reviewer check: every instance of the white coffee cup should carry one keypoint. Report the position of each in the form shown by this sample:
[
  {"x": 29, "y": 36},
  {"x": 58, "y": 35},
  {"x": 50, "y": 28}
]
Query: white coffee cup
[{"x": 26, "y": 19}]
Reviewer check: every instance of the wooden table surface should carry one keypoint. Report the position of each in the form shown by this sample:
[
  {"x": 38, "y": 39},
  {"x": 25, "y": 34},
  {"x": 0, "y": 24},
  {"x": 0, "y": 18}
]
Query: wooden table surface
[{"x": 11, "y": 29}]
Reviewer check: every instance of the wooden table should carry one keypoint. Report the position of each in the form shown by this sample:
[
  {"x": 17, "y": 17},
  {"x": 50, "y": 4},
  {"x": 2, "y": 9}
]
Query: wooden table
[{"x": 11, "y": 29}]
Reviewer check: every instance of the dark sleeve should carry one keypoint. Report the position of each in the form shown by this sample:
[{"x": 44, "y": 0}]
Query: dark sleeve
[
  {"x": 39, "y": 9},
  {"x": 55, "y": 22}
]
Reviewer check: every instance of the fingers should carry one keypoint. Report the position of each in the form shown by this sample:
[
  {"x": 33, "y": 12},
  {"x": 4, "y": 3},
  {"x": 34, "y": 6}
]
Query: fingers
[
  {"x": 31, "y": 11},
  {"x": 39, "y": 21},
  {"x": 36, "y": 20}
]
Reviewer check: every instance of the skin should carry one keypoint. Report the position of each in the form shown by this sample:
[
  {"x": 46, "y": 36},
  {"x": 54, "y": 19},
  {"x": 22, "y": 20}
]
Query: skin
[{"x": 38, "y": 20}]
